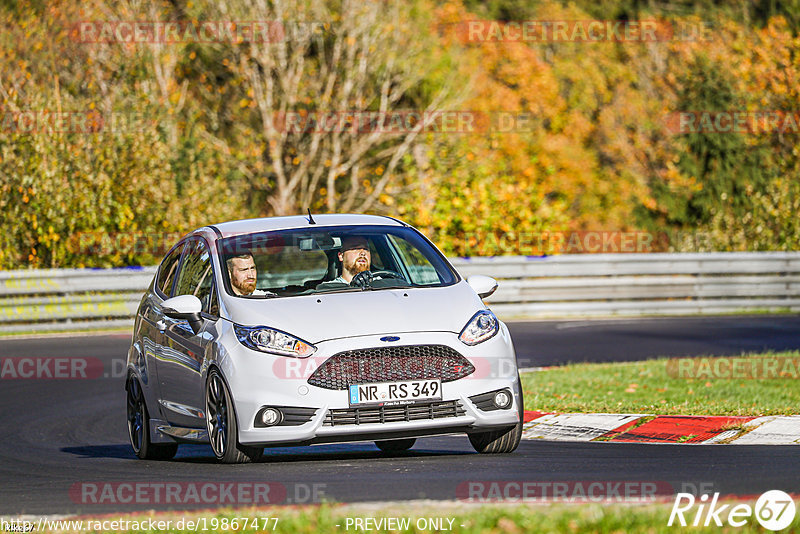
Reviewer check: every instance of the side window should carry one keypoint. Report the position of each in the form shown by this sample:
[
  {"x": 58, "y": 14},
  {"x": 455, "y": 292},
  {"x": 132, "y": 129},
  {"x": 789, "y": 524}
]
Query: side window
[
  {"x": 166, "y": 273},
  {"x": 213, "y": 307},
  {"x": 419, "y": 268},
  {"x": 196, "y": 277}
]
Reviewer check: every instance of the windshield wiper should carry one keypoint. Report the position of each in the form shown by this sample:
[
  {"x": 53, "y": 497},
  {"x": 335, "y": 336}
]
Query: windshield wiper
[
  {"x": 266, "y": 295},
  {"x": 379, "y": 288},
  {"x": 345, "y": 289},
  {"x": 357, "y": 289}
]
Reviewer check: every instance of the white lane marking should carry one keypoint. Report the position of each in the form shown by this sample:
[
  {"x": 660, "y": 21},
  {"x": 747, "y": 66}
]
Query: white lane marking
[
  {"x": 574, "y": 427},
  {"x": 598, "y": 322},
  {"x": 615, "y": 321},
  {"x": 772, "y": 430},
  {"x": 721, "y": 436}
]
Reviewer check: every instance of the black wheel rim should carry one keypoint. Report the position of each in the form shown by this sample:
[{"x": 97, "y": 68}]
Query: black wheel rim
[
  {"x": 217, "y": 414},
  {"x": 135, "y": 414}
]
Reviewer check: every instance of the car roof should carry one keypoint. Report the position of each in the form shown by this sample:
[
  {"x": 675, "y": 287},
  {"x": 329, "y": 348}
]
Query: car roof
[{"x": 246, "y": 226}]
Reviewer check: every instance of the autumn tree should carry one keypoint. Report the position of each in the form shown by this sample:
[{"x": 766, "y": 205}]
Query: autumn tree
[{"x": 330, "y": 62}]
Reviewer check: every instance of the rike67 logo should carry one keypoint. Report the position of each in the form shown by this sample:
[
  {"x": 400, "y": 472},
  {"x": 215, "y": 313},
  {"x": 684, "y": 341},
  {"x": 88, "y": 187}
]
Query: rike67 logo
[{"x": 774, "y": 510}]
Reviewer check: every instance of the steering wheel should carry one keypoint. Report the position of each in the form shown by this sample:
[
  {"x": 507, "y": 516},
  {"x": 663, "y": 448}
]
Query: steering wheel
[
  {"x": 365, "y": 278},
  {"x": 362, "y": 279},
  {"x": 388, "y": 274}
]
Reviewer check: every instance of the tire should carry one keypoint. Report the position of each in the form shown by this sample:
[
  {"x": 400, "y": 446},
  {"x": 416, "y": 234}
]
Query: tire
[
  {"x": 396, "y": 445},
  {"x": 139, "y": 426},
  {"x": 500, "y": 441},
  {"x": 223, "y": 431}
]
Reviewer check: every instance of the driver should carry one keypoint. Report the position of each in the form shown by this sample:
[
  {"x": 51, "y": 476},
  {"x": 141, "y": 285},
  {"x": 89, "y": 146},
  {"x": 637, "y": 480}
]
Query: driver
[
  {"x": 356, "y": 264},
  {"x": 355, "y": 257},
  {"x": 243, "y": 274}
]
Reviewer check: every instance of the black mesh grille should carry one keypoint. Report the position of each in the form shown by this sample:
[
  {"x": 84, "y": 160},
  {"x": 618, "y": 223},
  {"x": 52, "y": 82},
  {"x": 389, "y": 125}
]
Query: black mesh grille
[
  {"x": 390, "y": 414},
  {"x": 391, "y": 364}
]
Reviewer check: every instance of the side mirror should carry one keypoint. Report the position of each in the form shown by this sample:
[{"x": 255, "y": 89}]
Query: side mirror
[
  {"x": 483, "y": 285},
  {"x": 185, "y": 307}
]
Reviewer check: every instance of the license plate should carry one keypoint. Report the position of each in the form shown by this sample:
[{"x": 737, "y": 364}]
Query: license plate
[{"x": 395, "y": 392}]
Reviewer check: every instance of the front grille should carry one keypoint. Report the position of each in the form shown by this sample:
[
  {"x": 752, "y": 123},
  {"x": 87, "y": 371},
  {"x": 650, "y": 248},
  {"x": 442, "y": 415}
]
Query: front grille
[
  {"x": 390, "y": 414},
  {"x": 391, "y": 364}
]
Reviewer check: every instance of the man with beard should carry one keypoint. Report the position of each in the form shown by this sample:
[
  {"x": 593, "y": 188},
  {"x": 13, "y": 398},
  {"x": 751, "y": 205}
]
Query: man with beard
[
  {"x": 356, "y": 264},
  {"x": 243, "y": 275},
  {"x": 355, "y": 257}
]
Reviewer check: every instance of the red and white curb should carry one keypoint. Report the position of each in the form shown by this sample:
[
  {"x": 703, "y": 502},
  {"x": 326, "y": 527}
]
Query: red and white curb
[{"x": 644, "y": 428}]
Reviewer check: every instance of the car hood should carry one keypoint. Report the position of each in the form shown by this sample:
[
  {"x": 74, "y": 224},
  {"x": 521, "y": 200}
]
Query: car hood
[{"x": 322, "y": 317}]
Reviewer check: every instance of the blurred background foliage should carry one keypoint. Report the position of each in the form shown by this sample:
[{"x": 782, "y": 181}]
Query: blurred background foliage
[{"x": 191, "y": 143}]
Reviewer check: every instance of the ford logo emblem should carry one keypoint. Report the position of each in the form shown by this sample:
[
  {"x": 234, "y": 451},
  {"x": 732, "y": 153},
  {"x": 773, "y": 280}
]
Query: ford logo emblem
[{"x": 389, "y": 339}]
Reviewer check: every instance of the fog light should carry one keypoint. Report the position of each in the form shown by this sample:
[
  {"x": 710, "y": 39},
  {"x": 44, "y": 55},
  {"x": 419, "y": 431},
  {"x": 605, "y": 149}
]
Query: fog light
[
  {"x": 502, "y": 399},
  {"x": 271, "y": 416}
]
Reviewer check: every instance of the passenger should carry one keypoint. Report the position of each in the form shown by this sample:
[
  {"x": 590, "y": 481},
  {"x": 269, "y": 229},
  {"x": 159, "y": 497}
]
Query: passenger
[{"x": 243, "y": 275}]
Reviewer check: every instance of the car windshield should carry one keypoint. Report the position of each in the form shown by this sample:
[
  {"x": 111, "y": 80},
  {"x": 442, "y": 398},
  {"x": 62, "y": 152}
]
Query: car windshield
[{"x": 309, "y": 261}]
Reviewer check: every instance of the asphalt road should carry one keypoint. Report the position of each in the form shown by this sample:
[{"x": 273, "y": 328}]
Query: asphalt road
[
  {"x": 65, "y": 446},
  {"x": 558, "y": 342}
]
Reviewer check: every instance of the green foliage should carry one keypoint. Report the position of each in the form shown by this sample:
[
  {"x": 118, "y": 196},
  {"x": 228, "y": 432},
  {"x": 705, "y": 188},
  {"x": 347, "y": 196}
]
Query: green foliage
[
  {"x": 479, "y": 209},
  {"x": 727, "y": 170},
  {"x": 120, "y": 178},
  {"x": 596, "y": 156}
]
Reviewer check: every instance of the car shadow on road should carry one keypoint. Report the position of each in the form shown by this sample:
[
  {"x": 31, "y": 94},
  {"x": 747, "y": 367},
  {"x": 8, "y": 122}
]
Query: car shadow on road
[
  {"x": 201, "y": 454},
  {"x": 337, "y": 452},
  {"x": 101, "y": 451}
]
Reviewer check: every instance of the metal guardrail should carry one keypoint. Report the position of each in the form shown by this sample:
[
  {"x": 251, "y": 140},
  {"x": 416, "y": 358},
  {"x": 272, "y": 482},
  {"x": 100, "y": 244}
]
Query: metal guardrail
[
  {"x": 529, "y": 287},
  {"x": 71, "y": 299},
  {"x": 641, "y": 284}
]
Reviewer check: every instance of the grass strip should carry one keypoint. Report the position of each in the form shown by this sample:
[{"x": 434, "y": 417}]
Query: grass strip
[
  {"x": 656, "y": 387},
  {"x": 63, "y": 332}
]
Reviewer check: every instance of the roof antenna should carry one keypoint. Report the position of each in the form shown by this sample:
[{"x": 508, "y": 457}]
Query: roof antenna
[{"x": 310, "y": 217}]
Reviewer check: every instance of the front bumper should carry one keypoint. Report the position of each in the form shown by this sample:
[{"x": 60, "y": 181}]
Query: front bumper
[{"x": 257, "y": 380}]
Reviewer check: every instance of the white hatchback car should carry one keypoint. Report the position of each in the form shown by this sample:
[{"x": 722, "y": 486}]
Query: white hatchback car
[{"x": 302, "y": 330}]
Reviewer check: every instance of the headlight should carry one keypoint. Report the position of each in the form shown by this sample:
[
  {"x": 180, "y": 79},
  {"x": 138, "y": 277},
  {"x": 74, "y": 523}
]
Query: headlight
[
  {"x": 481, "y": 327},
  {"x": 273, "y": 341}
]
